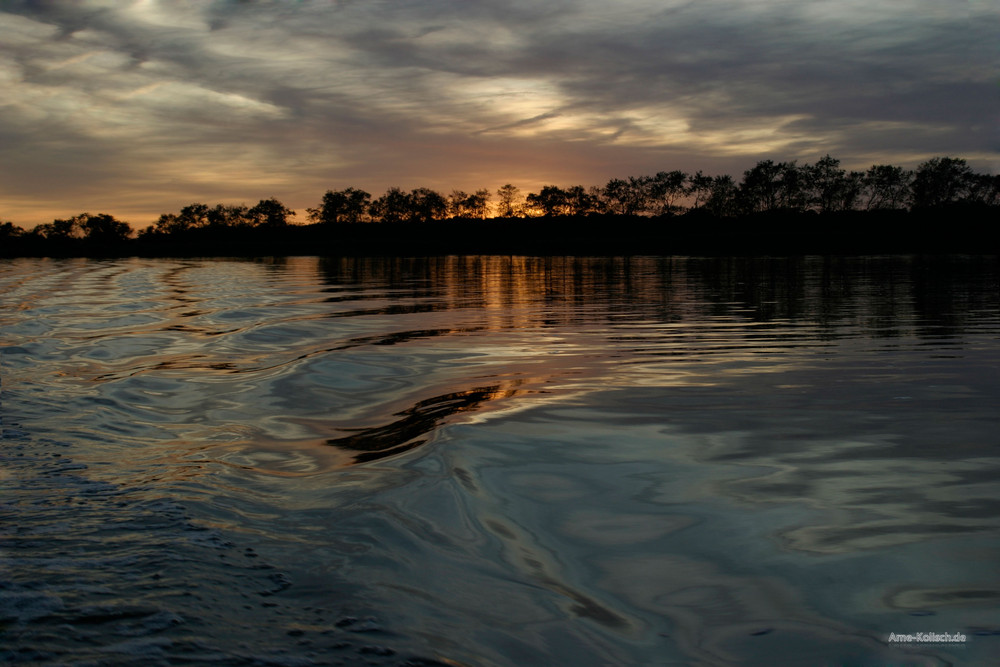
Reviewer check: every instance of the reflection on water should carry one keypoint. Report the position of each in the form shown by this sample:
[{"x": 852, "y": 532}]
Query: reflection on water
[
  {"x": 499, "y": 460},
  {"x": 401, "y": 435}
]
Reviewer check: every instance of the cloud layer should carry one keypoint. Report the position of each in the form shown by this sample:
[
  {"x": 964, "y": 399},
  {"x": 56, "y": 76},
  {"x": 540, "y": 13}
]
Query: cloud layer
[{"x": 141, "y": 107}]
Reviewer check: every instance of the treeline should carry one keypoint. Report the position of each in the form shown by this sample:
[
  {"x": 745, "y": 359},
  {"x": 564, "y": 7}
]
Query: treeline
[
  {"x": 769, "y": 186},
  {"x": 784, "y": 192}
]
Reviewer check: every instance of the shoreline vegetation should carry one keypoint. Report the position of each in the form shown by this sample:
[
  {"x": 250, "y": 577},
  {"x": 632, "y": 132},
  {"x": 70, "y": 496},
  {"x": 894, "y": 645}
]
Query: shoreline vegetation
[{"x": 777, "y": 208}]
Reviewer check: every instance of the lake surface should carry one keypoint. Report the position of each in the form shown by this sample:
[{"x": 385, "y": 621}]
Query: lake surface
[{"x": 500, "y": 461}]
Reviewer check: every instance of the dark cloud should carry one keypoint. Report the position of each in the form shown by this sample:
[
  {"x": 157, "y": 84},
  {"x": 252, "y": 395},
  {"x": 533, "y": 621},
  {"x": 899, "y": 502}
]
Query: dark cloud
[{"x": 140, "y": 107}]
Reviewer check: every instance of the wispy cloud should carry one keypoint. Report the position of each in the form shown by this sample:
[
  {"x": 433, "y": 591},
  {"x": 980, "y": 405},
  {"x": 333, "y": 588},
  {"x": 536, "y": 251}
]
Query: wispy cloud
[{"x": 141, "y": 107}]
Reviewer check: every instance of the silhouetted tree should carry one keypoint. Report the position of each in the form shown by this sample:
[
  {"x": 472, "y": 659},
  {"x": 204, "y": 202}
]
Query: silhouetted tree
[
  {"x": 665, "y": 189},
  {"x": 699, "y": 189},
  {"x": 793, "y": 193},
  {"x": 350, "y": 205},
  {"x": 941, "y": 180},
  {"x": 229, "y": 215},
  {"x": 723, "y": 199},
  {"x": 463, "y": 205},
  {"x": 509, "y": 204},
  {"x": 269, "y": 213},
  {"x": 61, "y": 229},
  {"x": 457, "y": 207},
  {"x": 761, "y": 187},
  {"x": 853, "y": 190},
  {"x": 551, "y": 201},
  {"x": 583, "y": 201},
  {"x": 984, "y": 189},
  {"x": 478, "y": 204},
  {"x": 191, "y": 216},
  {"x": 830, "y": 188},
  {"x": 393, "y": 206},
  {"x": 194, "y": 216},
  {"x": 166, "y": 224},
  {"x": 770, "y": 186},
  {"x": 615, "y": 195},
  {"x": 96, "y": 229},
  {"x": 8, "y": 230},
  {"x": 886, "y": 187},
  {"x": 427, "y": 204},
  {"x": 627, "y": 197},
  {"x": 104, "y": 229}
]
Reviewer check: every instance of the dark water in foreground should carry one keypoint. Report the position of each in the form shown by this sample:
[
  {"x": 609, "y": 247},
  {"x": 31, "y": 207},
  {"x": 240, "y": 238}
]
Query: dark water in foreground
[{"x": 499, "y": 461}]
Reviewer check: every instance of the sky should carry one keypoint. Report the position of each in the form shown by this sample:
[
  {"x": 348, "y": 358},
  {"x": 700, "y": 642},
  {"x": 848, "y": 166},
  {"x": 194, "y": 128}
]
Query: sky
[{"x": 138, "y": 108}]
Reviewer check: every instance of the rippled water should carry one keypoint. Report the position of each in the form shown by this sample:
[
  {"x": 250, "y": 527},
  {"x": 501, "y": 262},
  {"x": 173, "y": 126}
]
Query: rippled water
[{"x": 499, "y": 461}]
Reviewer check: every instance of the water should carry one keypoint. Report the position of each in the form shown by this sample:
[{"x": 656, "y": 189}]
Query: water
[{"x": 499, "y": 461}]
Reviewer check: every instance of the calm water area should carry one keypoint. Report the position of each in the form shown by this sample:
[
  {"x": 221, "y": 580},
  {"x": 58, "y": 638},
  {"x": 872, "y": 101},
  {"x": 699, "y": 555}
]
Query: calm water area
[{"x": 500, "y": 461}]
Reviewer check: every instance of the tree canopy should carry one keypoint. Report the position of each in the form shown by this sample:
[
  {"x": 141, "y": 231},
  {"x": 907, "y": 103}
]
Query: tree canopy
[{"x": 769, "y": 187}]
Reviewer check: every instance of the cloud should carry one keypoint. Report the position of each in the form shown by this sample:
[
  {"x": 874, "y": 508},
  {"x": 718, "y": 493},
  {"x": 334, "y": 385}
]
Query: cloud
[{"x": 162, "y": 103}]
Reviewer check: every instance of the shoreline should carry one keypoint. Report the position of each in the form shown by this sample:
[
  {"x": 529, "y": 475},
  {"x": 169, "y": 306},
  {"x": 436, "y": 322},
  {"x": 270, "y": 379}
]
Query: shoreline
[{"x": 950, "y": 230}]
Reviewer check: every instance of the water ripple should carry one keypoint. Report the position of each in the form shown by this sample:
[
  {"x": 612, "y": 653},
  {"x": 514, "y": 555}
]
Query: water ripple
[{"x": 497, "y": 460}]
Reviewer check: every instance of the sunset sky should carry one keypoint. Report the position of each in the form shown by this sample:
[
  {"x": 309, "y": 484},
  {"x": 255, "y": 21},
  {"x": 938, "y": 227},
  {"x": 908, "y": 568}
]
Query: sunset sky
[{"x": 139, "y": 108}]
